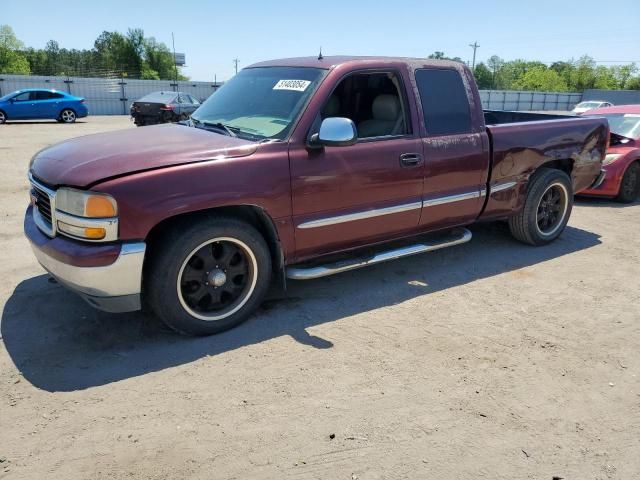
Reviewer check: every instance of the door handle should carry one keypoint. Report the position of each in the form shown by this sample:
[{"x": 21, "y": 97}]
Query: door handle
[{"x": 410, "y": 159}]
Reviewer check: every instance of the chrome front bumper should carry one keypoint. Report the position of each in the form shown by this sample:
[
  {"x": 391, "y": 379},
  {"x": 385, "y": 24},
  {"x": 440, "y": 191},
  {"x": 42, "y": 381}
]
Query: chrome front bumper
[{"x": 112, "y": 288}]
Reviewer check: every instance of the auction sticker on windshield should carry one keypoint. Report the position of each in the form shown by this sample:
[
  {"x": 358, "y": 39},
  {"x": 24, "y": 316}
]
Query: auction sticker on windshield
[{"x": 296, "y": 85}]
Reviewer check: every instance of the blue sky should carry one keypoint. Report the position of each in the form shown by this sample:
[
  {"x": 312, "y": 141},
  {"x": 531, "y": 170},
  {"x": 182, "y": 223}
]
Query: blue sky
[{"x": 212, "y": 34}]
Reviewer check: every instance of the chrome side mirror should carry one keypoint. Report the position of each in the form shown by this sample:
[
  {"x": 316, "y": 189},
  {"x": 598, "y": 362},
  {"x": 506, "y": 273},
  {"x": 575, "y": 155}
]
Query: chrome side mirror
[{"x": 336, "y": 132}]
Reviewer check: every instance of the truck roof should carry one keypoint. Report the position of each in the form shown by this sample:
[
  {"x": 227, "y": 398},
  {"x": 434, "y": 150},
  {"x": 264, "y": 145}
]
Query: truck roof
[{"x": 330, "y": 62}]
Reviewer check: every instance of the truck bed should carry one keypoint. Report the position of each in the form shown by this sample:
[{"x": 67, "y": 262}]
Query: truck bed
[
  {"x": 498, "y": 117},
  {"x": 521, "y": 142}
]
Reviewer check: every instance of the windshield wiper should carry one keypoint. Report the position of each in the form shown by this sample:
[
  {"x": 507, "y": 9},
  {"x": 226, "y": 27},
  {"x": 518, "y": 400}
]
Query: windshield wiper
[
  {"x": 227, "y": 129},
  {"x": 221, "y": 126},
  {"x": 218, "y": 126}
]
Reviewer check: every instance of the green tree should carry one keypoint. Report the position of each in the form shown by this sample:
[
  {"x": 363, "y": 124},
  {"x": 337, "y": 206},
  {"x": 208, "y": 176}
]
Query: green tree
[
  {"x": 11, "y": 60},
  {"x": 52, "y": 51},
  {"x": 623, "y": 73},
  {"x": 8, "y": 38},
  {"x": 542, "y": 79},
  {"x": 484, "y": 77},
  {"x": 604, "y": 78},
  {"x": 582, "y": 75},
  {"x": 495, "y": 63},
  {"x": 441, "y": 56},
  {"x": 158, "y": 58},
  {"x": 633, "y": 84}
]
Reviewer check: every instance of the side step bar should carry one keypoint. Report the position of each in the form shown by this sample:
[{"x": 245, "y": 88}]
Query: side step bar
[{"x": 455, "y": 237}]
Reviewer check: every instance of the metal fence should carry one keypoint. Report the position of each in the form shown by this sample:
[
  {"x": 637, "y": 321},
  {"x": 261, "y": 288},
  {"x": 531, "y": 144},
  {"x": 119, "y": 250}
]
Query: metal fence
[
  {"x": 112, "y": 96},
  {"x": 514, "y": 100},
  {"x": 106, "y": 96}
]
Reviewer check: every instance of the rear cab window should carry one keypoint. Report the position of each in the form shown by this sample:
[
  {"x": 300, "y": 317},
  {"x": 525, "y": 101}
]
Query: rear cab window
[{"x": 444, "y": 101}]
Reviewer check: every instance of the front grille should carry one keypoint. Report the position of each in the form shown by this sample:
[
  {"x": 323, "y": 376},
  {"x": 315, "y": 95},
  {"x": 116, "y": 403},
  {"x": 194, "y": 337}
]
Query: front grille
[{"x": 43, "y": 204}]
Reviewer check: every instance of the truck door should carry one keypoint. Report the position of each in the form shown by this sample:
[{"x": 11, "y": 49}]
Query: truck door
[
  {"x": 455, "y": 148},
  {"x": 352, "y": 195}
]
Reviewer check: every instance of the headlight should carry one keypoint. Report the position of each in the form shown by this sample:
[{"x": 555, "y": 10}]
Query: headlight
[
  {"x": 86, "y": 215},
  {"x": 86, "y": 204},
  {"x": 611, "y": 157}
]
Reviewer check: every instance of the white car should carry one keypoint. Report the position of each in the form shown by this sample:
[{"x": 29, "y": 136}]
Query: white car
[{"x": 589, "y": 105}]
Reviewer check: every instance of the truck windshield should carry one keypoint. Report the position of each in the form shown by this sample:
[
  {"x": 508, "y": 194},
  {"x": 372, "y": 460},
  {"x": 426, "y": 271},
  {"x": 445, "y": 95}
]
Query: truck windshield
[{"x": 260, "y": 103}]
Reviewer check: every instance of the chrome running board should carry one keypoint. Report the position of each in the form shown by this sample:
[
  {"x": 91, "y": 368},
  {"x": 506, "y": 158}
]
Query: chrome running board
[{"x": 455, "y": 237}]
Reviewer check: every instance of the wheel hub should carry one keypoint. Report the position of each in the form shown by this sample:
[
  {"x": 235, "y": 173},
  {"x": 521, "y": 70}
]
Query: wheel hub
[{"x": 216, "y": 277}]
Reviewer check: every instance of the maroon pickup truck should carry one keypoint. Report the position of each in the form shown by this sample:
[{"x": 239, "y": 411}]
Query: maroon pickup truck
[{"x": 298, "y": 168}]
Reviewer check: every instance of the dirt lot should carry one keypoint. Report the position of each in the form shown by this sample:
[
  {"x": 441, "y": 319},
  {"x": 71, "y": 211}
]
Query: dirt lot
[{"x": 489, "y": 360}]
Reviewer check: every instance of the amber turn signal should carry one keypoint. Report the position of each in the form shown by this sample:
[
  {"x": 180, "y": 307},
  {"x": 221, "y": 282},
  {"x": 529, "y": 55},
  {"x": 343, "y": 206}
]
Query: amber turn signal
[
  {"x": 95, "y": 233},
  {"x": 90, "y": 233},
  {"x": 98, "y": 206}
]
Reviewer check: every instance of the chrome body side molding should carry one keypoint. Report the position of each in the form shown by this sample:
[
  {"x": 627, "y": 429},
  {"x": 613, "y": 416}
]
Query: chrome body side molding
[
  {"x": 350, "y": 217},
  {"x": 432, "y": 202},
  {"x": 499, "y": 187},
  {"x": 457, "y": 236}
]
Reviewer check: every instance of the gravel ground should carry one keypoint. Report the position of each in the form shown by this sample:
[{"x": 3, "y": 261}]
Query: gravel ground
[{"x": 488, "y": 360}]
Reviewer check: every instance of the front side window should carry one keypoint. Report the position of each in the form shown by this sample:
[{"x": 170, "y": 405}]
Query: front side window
[
  {"x": 373, "y": 101},
  {"x": 260, "y": 103},
  {"x": 23, "y": 97},
  {"x": 445, "y": 104}
]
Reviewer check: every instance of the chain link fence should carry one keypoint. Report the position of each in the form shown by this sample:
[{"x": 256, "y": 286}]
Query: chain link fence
[{"x": 112, "y": 96}]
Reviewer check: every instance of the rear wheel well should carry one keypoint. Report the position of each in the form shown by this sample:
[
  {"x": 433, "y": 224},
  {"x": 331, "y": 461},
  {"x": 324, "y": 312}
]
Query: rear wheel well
[
  {"x": 251, "y": 214},
  {"x": 566, "y": 165}
]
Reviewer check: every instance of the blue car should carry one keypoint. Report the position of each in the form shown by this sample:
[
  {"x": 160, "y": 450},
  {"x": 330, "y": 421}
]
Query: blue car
[{"x": 33, "y": 103}]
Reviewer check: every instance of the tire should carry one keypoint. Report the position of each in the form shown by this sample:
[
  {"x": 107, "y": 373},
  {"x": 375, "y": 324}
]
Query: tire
[
  {"x": 630, "y": 184},
  {"x": 188, "y": 285},
  {"x": 547, "y": 208},
  {"x": 3, "y": 117},
  {"x": 68, "y": 116}
]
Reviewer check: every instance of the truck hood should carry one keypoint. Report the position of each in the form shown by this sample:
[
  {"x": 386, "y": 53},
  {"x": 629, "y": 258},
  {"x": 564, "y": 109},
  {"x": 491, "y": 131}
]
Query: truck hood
[{"x": 83, "y": 161}]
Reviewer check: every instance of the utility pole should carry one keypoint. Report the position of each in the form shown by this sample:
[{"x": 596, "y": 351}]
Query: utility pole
[
  {"x": 235, "y": 62},
  {"x": 175, "y": 65},
  {"x": 475, "y": 46}
]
